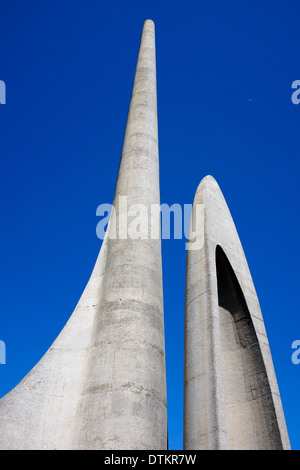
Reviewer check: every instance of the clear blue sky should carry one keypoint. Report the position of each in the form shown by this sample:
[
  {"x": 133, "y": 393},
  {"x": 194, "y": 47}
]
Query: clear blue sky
[{"x": 224, "y": 72}]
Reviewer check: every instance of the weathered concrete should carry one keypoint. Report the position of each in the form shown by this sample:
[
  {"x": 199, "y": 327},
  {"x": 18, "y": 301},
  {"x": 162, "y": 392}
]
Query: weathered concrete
[
  {"x": 231, "y": 397},
  {"x": 102, "y": 384}
]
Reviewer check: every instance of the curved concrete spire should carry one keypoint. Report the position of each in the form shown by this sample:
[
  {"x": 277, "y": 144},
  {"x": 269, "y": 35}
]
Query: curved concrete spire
[
  {"x": 231, "y": 397},
  {"x": 102, "y": 384}
]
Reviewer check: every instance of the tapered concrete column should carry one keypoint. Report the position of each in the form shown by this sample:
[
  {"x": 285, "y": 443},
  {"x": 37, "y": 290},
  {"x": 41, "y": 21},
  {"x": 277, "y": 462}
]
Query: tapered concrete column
[
  {"x": 102, "y": 384},
  {"x": 126, "y": 383},
  {"x": 231, "y": 397}
]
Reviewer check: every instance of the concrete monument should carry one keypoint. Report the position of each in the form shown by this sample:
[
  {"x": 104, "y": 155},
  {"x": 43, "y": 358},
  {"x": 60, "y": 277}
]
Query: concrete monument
[
  {"x": 231, "y": 397},
  {"x": 102, "y": 384}
]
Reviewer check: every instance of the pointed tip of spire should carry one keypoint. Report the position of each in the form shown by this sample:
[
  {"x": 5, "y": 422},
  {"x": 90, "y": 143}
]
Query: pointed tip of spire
[
  {"x": 206, "y": 181},
  {"x": 208, "y": 186},
  {"x": 149, "y": 24},
  {"x": 209, "y": 178}
]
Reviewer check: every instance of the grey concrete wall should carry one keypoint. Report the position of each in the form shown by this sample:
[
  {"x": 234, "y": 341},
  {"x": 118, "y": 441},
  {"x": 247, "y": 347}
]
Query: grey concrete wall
[
  {"x": 231, "y": 396},
  {"x": 102, "y": 384}
]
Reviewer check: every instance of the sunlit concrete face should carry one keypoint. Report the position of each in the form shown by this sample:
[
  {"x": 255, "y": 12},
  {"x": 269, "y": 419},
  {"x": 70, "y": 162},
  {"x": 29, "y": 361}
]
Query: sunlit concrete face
[
  {"x": 102, "y": 384},
  {"x": 231, "y": 397}
]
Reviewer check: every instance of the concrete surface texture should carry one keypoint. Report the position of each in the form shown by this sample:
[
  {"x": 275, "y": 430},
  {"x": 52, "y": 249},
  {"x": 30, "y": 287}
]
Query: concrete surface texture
[
  {"x": 231, "y": 397},
  {"x": 102, "y": 384}
]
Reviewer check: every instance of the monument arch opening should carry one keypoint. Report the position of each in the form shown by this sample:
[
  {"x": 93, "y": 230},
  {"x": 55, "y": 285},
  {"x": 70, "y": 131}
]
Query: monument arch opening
[{"x": 249, "y": 408}]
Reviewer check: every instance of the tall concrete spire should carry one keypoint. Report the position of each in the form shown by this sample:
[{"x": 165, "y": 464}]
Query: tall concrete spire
[
  {"x": 102, "y": 384},
  {"x": 231, "y": 397}
]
